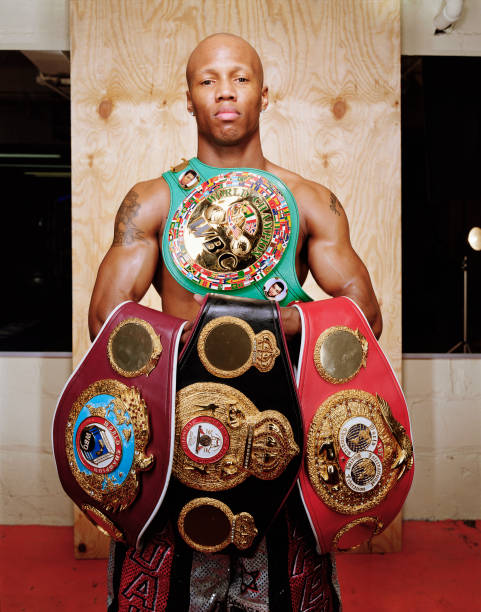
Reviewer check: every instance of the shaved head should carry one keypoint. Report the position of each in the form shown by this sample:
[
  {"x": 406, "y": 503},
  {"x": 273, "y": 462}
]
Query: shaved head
[{"x": 215, "y": 44}]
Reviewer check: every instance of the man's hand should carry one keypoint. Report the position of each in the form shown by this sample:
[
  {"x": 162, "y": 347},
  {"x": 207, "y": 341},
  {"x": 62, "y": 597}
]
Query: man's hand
[{"x": 290, "y": 318}]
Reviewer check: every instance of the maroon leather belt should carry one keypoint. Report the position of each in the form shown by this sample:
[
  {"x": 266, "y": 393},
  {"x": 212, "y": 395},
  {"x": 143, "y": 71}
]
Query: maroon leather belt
[{"x": 113, "y": 429}]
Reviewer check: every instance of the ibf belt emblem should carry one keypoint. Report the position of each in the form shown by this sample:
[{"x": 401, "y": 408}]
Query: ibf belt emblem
[
  {"x": 231, "y": 231},
  {"x": 356, "y": 451}
]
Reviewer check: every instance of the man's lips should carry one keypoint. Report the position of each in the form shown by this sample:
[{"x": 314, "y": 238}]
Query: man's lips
[{"x": 227, "y": 114}]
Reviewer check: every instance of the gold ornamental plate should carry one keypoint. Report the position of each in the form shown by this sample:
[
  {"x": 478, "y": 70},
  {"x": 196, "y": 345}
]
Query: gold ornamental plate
[
  {"x": 105, "y": 439},
  {"x": 230, "y": 231},
  {"x": 134, "y": 348},
  {"x": 228, "y": 347},
  {"x": 208, "y": 525},
  {"x": 356, "y": 451},
  {"x": 221, "y": 438},
  {"x": 339, "y": 354}
]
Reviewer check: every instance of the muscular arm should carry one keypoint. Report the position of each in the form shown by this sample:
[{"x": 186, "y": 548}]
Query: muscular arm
[
  {"x": 334, "y": 264},
  {"x": 129, "y": 266}
]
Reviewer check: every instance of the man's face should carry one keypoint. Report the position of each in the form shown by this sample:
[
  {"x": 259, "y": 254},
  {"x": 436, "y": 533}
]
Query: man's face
[
  {"x": 188, "y": 176},
  {"x": 274, "y": 290},
  {"x": 225, "y": 90}
]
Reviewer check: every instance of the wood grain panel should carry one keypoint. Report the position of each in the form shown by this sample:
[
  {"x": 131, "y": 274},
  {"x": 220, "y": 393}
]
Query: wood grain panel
[{"x": 332, "y": 67}]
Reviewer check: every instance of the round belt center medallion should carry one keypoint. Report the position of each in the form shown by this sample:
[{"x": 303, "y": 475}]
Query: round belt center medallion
[
  {"x": 204, "y": 439},
  {"x": 231, "y": 231},
  {"x": 98, "y": 445},
  {"x": 363, "y": 471},
  {"x": 358, "y": 434}
]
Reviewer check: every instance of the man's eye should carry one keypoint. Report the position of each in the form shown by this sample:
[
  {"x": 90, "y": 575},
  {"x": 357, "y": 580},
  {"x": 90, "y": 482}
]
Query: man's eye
[
  {"x": 242, "y": 79},
  {"x": 206, "y": 82}
]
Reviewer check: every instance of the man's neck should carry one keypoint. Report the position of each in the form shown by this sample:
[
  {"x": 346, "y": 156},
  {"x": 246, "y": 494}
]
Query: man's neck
[{"x": 243, "y": 155}]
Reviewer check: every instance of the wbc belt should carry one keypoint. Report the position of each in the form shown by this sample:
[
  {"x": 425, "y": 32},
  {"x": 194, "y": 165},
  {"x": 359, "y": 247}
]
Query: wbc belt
[
  {"x": 113, "y": 428},
  {"x": 232, "y": 231},
  {"x": 358, "y": 464},
  {"x": 238, "y": 430}
]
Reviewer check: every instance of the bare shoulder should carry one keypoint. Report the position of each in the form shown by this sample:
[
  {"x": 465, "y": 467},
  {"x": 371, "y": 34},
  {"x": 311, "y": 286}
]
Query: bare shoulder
[
  {"x": 142, "y": 213},
  {"x": 317, "y": 204}
]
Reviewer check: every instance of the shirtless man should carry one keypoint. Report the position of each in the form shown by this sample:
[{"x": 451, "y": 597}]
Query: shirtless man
[{"x": 226, "y": 94}]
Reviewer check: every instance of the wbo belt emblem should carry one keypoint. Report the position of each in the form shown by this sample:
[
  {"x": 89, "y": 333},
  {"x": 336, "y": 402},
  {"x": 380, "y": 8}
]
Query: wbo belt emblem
[
  {"x": 231, "y": 231},
  {"x": 105, "y": 439}
]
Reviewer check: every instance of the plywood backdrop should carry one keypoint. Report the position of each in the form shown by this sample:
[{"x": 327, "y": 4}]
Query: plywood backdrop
[{"x": 332, "y": 67}]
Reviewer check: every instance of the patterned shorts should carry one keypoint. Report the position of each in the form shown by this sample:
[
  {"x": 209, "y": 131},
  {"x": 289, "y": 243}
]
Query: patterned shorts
[{"x": 285, "y": 574}]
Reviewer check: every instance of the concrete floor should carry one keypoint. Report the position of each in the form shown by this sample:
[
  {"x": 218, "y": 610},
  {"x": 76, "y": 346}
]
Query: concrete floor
[{"x": 439, "y": 569}]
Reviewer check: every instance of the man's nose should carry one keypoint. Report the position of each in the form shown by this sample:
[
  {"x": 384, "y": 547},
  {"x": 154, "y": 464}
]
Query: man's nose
[{"x": 225, "y": 90}]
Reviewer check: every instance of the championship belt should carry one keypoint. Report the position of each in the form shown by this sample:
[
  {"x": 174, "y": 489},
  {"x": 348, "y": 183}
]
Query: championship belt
[
  {"x": 113, "y": 428},
  {"x": 358, "y": 465},
  {"x": 232, "y": 231},
  {"x": 238, "y": 428}
]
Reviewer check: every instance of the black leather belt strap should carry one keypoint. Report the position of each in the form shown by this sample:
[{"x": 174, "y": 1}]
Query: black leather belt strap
[{"x": 238, "y": 426}]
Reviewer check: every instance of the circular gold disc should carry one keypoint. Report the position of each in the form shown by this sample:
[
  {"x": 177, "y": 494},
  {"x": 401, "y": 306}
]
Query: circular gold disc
[
  {"x": 339, "y": 354},
  {"x": 206, "y": 524},
  {"x": 225, "y": 346},
  {"x": 134, "y": 348}
]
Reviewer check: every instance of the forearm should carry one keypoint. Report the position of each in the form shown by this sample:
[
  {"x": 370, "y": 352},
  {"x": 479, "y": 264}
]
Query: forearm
[
  {"x": 364, "y": 296},
  {"x": 125, "y": 274}
]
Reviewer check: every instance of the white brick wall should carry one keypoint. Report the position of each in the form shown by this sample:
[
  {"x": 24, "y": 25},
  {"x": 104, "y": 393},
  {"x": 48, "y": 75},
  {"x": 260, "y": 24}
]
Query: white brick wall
[{"x": 444, "y": 396}]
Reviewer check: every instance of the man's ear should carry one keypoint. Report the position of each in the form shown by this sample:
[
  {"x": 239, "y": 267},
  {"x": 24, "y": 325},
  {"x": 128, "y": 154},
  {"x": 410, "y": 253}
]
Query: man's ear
[
  {"x": 264, "y": 98},
  {"x": 190, "y": 107}
]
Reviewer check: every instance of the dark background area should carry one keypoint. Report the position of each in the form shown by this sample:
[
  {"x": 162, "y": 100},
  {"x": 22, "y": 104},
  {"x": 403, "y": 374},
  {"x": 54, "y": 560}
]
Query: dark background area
[
  {"x": 36, "y": 305},
  {"x": 441, "y": 201},
  {"x": 441, "y": 155}
]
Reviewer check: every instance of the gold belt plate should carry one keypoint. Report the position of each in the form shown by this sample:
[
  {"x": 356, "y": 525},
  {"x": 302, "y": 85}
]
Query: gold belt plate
[
  {"x": 221, "y": 438},
  {"x": 356, "y": 451},
  {"x": 228, "y": 347}
]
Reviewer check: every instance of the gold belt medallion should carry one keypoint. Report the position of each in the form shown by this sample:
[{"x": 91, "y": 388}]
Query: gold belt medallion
[
  {"x": 134, "y": 348},
  {"x": 228, "y": 347},
  {"x": 221, "y": 438},
  {"x": 339, "y": 354},
  {"x": 230, "y": 231},
  {"x": 208, "y": 525},
  {"x": 356, "y": 451},
  {"x": 105, "y": 440}
]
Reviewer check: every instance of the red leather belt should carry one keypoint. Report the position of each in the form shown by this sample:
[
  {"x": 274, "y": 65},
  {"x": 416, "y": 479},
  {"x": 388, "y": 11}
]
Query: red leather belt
[
  {"x": 358, "y": 465},
  {"x": 113, "y": 428}
]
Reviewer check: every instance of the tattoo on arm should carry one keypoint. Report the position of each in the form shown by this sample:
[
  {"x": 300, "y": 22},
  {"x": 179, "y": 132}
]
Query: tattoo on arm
[
  {"x": 335, "y": 205},
  {"x": 126, "y": 232}
]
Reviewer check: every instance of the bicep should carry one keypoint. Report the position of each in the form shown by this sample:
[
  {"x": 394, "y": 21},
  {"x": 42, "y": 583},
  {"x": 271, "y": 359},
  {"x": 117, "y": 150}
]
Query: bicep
[
  {"x": 335, "y": 265},
  {"x": 129, "y": 266}
]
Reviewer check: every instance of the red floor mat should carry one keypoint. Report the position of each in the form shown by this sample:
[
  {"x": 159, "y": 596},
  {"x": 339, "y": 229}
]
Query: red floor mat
[{"x": 439, "y": 569}]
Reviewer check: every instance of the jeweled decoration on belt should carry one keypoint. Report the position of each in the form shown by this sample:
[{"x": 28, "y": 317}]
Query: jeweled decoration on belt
[
  {"x": 105, "y": 440},
  {"x": 221, "y": 438},
  {"x": 231, "y": 231},
  {"x": 356, "y": 451}
]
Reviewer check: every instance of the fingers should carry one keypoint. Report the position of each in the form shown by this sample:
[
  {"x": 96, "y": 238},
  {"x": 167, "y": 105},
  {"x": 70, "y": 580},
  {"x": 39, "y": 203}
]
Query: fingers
[{"x": 291, "y": 321}]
